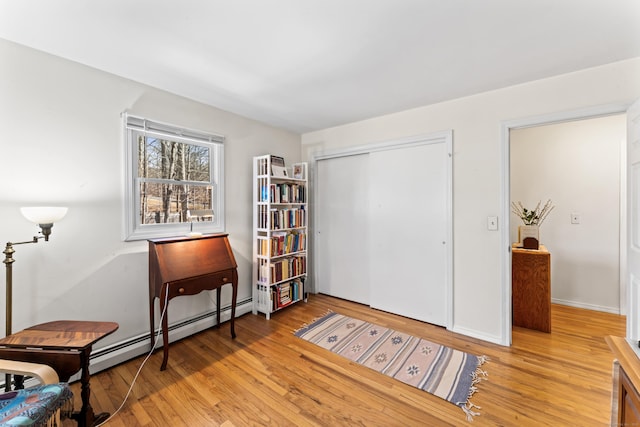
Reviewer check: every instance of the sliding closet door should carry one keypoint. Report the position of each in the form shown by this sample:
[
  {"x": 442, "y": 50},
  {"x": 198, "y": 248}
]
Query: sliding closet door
[
  {"x": 341, "y": 238},
  {"x": 409, "y": 231}
]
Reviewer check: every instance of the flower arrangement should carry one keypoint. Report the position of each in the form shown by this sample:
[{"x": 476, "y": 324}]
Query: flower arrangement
[{"x": 532, "y": 217}]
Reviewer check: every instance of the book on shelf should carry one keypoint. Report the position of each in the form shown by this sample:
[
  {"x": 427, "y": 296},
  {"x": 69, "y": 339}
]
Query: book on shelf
[
  {"x": 278, "y": 171},
  {"x": 285, "y": 193},
  {"x": 283, "y": 269},
  {"x": 277, "y": 161},
  {"x": 288, "y": 218}
]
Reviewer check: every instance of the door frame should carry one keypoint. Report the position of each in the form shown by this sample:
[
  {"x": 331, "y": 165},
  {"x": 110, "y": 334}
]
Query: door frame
[
  {"x": 505, "y": 245},
  {"x": 445, "y": 136}
]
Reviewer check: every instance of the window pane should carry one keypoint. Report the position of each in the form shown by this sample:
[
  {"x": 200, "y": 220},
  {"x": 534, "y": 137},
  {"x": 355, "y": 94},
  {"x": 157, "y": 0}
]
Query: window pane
[
  {"x": 165, "y": 159},
  {"x": 162, "y": 203},
  {"x": 174, "y": 178}
]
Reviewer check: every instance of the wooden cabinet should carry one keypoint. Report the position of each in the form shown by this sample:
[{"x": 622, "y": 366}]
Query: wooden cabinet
[
  {"x": 625, "y": 405},
  {"x": 531, "y": 288},
  {"x": 279, "y": 234}
]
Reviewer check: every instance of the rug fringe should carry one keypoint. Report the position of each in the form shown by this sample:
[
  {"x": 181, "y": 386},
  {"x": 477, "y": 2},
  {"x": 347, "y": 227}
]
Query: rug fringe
[
  {"x": 315, "y": 319},
  {"x": 478, "y": 375},
  {"x": 468, "y": 410}
]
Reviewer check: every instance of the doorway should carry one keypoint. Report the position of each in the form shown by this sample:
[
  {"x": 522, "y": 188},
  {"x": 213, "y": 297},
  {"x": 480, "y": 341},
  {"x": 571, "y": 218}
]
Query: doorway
[
  {"x": 557, "y": 229},
  {"x": 578, "y": 165}
]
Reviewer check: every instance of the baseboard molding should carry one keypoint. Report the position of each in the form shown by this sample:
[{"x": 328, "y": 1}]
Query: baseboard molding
[
  {"x": 476, "y": 334},
  {"x": 612, "y": 310},
  {"x": 128, "y": 349},
  {"x": 114, "y": 354}
]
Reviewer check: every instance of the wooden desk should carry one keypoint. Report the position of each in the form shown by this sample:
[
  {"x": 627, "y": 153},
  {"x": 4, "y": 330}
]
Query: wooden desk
[
  {"x": 626, "y": 383},
  {"x": 531, "y": 288},
  {"x": 65, "y": 345},
  {"x": 188, "y": 266}
]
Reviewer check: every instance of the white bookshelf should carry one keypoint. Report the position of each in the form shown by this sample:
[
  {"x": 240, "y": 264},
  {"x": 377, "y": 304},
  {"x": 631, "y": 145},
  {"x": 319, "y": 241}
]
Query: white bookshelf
[{"x": 280, "y": 218}]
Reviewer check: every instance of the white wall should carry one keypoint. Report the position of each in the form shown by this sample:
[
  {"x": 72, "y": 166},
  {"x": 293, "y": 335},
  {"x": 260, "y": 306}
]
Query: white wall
[
  {"x": 477, "y": 171},
  {"x": 576, "y": 165},
  {"x": 61, "y": 140}
]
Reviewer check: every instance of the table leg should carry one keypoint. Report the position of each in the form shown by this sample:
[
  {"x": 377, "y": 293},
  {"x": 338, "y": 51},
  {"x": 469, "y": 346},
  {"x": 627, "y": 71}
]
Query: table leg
[{"x": 86, "y": 417}]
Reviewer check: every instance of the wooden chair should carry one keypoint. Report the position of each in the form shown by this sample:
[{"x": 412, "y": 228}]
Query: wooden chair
[{"x": 45, "y": 402}]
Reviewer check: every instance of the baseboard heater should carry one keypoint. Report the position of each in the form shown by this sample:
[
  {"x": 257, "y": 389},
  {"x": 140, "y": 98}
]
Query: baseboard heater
[{"x": 114, "y": 354}]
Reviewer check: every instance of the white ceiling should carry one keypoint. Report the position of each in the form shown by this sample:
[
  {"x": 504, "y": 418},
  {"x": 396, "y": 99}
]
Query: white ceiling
[{"x": 310, "y": 64}]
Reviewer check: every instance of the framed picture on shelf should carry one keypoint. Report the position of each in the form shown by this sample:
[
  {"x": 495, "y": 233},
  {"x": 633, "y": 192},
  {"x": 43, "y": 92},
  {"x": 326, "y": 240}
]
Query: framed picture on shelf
[{"x": 298, "y": 172}]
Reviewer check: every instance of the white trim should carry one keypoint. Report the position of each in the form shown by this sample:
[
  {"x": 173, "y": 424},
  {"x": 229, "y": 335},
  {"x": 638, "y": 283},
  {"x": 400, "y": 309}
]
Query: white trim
[
  {"x": 153, "y": 127},
  {"x": 594, "y": 307},
  {"x": 431, "y": 138},
  {"x": 473, "y": 333},
  {"x": 632, "y": 311},
  {"x": 505, "y": 246}
]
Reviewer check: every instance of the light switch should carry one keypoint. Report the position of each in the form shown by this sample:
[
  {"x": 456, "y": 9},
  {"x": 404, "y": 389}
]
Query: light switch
[
  {"x": 575, "y": 218},
  {"x": 492, "y": 223}
]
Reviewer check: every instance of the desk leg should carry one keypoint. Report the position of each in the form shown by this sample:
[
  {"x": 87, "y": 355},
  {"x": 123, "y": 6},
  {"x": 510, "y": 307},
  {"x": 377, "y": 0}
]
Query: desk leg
[
  {"x": 218, "y": 306},
  {"x": 152, "y": 320},
  {"x": 164, "y": 308},
  {"x": 234, "y": 297},
  {"x": 86, "y": 417}
]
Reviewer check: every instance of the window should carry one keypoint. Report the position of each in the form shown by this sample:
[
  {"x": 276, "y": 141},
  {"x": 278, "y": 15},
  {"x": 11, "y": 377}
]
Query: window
[{"x": 174, "y": 180}]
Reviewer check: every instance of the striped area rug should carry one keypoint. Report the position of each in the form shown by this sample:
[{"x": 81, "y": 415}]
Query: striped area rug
[{"x": 442, "y": 371}]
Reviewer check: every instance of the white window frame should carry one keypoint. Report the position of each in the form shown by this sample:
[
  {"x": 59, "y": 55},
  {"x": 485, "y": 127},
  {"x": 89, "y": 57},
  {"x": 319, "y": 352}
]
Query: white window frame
[{"x": 133, "y": 229}]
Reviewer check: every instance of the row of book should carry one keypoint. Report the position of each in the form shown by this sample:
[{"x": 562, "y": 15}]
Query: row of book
[
  {"x": 281, "y": 219},
  {"x": 283, "y": 269},
  {"x": 283, "y": 193},
  {"x": 282, "y": 243},
  {"x": 286, "y": 293}
]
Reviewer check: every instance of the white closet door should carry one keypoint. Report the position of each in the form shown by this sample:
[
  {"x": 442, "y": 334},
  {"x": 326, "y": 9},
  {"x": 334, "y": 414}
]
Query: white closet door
[
  {"x": 341, "y": 228},
  {"x": 408, "y": 197}
]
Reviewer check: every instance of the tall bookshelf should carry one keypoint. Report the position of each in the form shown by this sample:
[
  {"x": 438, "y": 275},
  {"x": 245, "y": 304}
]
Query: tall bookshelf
[{"x": 280, "y": 218}]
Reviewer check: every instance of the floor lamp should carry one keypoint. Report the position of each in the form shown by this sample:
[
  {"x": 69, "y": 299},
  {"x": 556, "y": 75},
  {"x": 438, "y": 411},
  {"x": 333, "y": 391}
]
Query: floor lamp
[{"x": 44, "y": 217}]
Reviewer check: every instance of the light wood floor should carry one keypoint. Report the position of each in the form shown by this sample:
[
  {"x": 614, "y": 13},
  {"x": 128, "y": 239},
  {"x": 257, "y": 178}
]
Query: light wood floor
[{"x": 267, "y": 376}]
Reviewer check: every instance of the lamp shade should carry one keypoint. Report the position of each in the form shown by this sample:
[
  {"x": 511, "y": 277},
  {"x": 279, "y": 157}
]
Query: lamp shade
[{"x": 44, "y": 214}]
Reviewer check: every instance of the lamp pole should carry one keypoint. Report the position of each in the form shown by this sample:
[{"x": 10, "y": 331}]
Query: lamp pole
[{"x": 8, "y": 262}]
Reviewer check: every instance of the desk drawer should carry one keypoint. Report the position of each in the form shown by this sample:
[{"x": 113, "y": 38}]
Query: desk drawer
[{"x": 196, "y": 285}]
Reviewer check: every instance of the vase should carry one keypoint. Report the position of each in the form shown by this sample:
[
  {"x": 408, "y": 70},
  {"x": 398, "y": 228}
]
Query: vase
[{"x": 529, "y": 236}]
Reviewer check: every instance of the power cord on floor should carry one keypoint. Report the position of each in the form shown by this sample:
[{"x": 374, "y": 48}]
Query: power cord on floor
[{"x": 155, "y": 342}]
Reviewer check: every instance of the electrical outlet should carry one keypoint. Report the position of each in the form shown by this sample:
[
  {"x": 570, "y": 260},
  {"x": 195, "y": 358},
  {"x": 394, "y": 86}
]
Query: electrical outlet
[
  {"x": 575, "y": 218},
  {"x": 492, "y": 223}
]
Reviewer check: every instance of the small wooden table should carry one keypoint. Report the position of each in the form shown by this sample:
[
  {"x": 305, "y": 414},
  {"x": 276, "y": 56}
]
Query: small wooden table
[{"x": 65, "y": 345}]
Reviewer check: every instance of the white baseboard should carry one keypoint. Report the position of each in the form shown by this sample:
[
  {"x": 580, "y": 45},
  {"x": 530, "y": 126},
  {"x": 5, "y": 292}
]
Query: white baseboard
[
  {"x": 612, "y": 310},
  {"x": 476, "y": 334}
]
